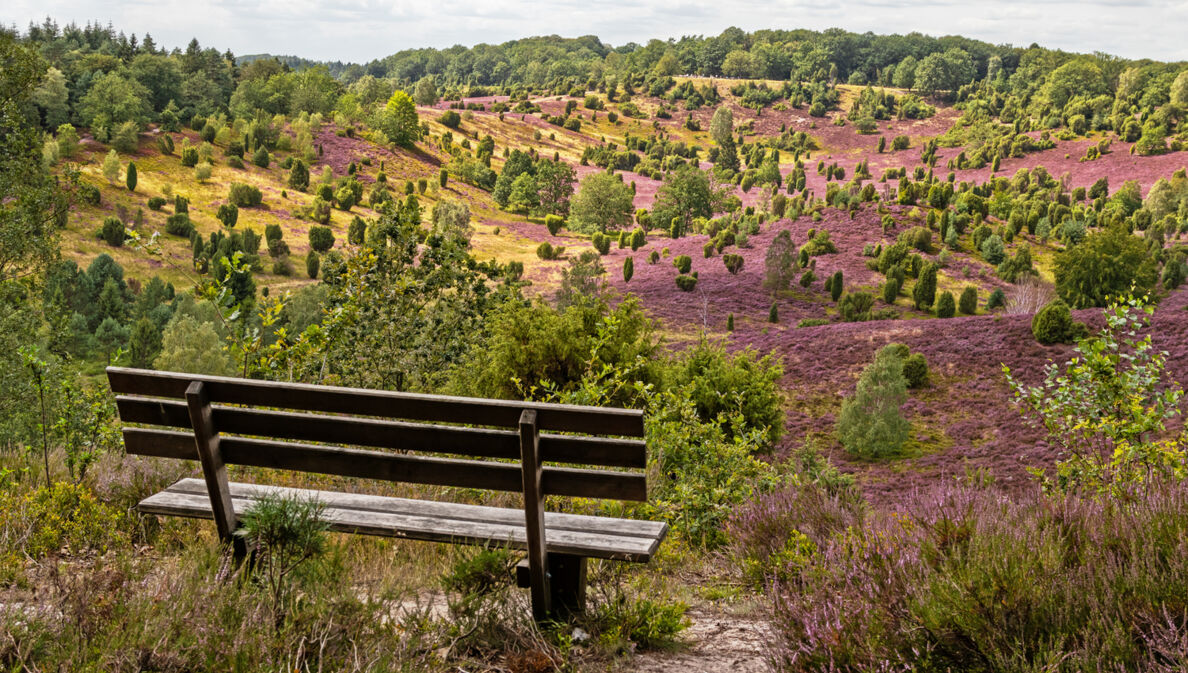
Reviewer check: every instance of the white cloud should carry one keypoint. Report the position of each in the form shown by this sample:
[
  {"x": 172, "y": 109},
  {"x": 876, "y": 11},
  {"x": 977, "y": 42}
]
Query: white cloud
[{"x": 361, "y": 30}]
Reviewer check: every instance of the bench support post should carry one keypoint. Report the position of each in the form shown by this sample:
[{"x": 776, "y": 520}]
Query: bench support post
[
  {"x": 206, "y": 436},
  {"x": 534, "y": 516},
  {"x": 567, "y": 582}
]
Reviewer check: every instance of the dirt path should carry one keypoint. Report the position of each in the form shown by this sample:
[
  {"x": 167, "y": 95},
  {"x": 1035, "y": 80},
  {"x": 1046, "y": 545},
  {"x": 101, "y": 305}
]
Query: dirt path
[{"x": 720, "y": 643}]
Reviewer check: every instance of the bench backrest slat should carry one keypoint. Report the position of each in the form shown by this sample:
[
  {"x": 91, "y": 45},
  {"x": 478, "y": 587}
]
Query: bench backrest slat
[
  {"x": 478, "y": 442},
  {"x": 378, "y": 403},
  {"x": 367, "y": 464}
]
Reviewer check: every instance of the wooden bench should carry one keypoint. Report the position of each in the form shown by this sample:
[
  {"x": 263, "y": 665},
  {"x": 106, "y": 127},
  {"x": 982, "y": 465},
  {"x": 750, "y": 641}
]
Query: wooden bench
[{"x": 220, "y": 421}]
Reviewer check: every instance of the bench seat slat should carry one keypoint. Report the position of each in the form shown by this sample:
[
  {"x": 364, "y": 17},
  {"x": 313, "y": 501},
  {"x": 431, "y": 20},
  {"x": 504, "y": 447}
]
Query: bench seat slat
[
  {"x": 366, "y": 464},
  {"x": 600, "y": 537},
  {"x": 480, "y": 442},
  {"x": 409, "y": 406}
]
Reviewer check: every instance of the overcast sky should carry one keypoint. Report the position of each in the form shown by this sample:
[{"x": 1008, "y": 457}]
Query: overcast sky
[{"x": 361, "y": 30}]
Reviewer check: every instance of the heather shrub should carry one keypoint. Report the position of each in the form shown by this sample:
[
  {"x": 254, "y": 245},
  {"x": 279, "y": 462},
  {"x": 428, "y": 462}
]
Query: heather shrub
[
  {"x": 871, "y": 424},
  {"x": 776, "y": 537},
  {"x": 62, "y": 518},
  {"x": 1075, "y": 584}
]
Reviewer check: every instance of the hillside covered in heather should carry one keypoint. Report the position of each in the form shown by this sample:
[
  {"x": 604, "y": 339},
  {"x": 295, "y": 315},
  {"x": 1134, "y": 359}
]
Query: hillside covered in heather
[{"x": 738, "y": 234}]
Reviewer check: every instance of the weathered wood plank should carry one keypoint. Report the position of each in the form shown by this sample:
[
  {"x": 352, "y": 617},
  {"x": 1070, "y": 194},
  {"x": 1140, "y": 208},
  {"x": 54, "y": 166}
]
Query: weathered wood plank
[
  {"x": 428, "y": 528},
  {"x": 481, "y": 442},
  {"x": 602, "y": 525},
  {"x": 410, "y": 406},
  {"x": 538, "y": 572},
  {"x": 208, "y": 446},
  {"x": 364, "y": 464}
]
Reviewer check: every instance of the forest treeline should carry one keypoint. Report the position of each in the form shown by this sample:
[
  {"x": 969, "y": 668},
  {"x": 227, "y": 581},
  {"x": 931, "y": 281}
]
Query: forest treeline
[{"x": 102, "y": 78}]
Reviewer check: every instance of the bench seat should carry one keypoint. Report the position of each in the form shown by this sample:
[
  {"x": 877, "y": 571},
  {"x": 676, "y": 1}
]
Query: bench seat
[{"x": 578, "y": 535}]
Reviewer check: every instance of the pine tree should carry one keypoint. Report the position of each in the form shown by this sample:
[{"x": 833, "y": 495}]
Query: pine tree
[
  {"x": 924, "y": 294},
  {"x": 836, "y": 285},
  {"x": 871, "y": 424},
  {"x": 299, "y": 176}
]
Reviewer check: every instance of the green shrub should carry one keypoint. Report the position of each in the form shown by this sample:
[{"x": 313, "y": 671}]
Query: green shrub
[
  {"x": 686, "y": 283},
  {"x": 228, "y": 214},
  {"x": 553, "y": 223},
  {"x": 179, "y": 224},
  {"x": 547, "y": 251},
  {"x": 856, "y": 306},
  {"x": 733, "y": 263},
  {"x": 915, "y": 370},
  {"x": 112, "y": 232},
  {"x": 706, "y": 370},
  {"x": 244, "y": 196},
  {"x": 64, "y": 517},
  {"x": 924, "y": 293},
  {"x": 683, "y": 263},
  {"x": 478, "y": 571},
  {"x": 946, "y": 307},
  {"x": 996, "y": 299},
  {"x": 628, "y": 269},
  {"x": 189, "y": 157},
  {"x": 321, "y": 239},
  {"x": 156, "y": 203},
  {"x": 1054, "y": 324},
  {"x": 284, "y": 533},
  {"x": 601, "y": 242},
  {"x": 261, "y": 157},
  {"x": 968, "y": 303},
  {"x": 773, "y": 313}
]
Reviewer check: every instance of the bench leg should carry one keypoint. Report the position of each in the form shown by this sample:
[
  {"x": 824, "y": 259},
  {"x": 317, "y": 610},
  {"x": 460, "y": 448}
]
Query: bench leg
[{"x": 567, "y": 583}]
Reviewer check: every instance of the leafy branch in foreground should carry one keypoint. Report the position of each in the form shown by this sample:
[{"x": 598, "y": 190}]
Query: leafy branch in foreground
[{"x": 1108, "y": 407}]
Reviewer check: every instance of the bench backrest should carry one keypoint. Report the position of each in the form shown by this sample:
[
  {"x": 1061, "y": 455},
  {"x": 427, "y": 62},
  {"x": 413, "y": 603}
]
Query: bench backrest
[{"x": 271, "y": 425}]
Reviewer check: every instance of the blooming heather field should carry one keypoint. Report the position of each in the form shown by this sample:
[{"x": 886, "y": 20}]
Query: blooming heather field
[{"x": 962, "y": 421}]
